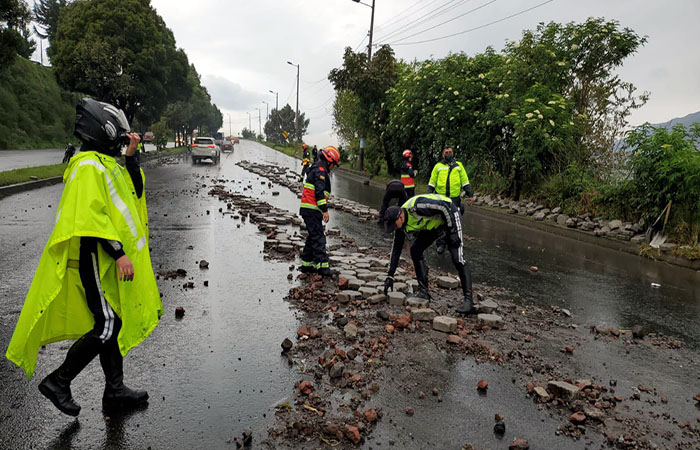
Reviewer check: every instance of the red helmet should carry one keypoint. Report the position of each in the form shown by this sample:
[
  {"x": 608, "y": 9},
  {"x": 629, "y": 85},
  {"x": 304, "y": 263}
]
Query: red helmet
[
  {"x": 406, "y": 153},
  {"x": 331, "y": 154},
  {"x": 304, "y": 146}
]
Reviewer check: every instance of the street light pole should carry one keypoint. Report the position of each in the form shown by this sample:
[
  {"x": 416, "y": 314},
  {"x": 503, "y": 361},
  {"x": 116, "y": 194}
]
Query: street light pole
[
  {"x": 259, "y": 122},
  {"x": 371, "y": 28},
  {"x": 296, "y": 118},
  {"x": 249, "y": 125},
  {"x": 267, "y": 111},
  {"x": 229, "y": 125},
  {"x": 277, "y": 105},
  {"x": 369, "y": 60}
]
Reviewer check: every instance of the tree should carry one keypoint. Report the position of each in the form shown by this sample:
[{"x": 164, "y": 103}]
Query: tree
[
  {"x": 369, "y": 81},
  {"x": 161, "y": 134},
  {"x": 247, "y": 134},
  {"x": 14, "y": 35},
  {"x": 46, "y": 13},
  {"x": 281, "y": 121},
  {"x": 126, "y": 56}
]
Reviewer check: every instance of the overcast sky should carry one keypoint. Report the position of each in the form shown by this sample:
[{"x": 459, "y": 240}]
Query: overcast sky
[{"x": 241, "y": 48}]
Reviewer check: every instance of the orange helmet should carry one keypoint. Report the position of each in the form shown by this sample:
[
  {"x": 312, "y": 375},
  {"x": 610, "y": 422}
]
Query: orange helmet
[
  {"x": 406, "y": 153},
  {"x": 331, "y": 154}
]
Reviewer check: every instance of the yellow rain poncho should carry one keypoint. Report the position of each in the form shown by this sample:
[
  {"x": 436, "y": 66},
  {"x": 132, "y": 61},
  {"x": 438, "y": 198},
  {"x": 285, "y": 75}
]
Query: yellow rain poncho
[{"x": 98, "y": 200}]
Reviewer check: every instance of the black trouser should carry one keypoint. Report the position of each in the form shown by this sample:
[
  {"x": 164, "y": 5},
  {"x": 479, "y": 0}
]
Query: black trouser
[
  {"x": 393, "y": 191},
  {"x": 102, "y": 339},
  {"x": 410, "y": 192},
  {"x": 314, "y": 253},
  {"x": 425, "y": 238},
  {"x": 457, "y": 201}
]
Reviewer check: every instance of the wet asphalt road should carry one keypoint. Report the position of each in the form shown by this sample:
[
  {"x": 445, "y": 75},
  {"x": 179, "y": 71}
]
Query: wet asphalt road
[
  {"x": 203, "y": 394},
  {"x": 210, "y": 375},
  {"x": 18, "y": 159}
]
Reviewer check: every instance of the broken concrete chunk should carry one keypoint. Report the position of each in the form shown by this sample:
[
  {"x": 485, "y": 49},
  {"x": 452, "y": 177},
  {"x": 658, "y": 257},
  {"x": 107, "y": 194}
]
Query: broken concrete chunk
[
  {"x": 445, "y": 324},
  {"x": 423, "y": 314},
  {"x": 487, "y": 306},
  {"x": 347, "y": 296},
  {"x": 448, "y": 282},
  {"x": 492, "y": 320},
  {"x": 417, "y": 301},
  {"x": 396, "y": 298},
  {"x": 563, "y": 389}
]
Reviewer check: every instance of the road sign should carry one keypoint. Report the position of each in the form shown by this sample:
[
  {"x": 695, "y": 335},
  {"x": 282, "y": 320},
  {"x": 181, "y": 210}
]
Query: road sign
[{"x": 285, "y": 134}]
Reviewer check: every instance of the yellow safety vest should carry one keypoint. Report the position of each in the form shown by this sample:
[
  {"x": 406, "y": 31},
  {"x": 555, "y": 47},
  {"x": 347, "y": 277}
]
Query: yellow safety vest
[
  {"x": 98, "y": 200},
  {"x": 443, "y": 173}
]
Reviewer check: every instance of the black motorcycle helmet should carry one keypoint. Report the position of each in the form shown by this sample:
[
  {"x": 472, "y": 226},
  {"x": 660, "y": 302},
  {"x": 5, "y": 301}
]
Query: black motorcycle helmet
[{"x": 101, "y": 126}]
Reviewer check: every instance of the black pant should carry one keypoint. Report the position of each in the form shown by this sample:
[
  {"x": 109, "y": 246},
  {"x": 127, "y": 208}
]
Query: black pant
[
  {"x": 314, "y": 253},
  {"x": 425, "y": 238},
  {"x": 410, "y": 192},
  {"x": 102, "y": 338},
  {"x": 394, "y": 190}
]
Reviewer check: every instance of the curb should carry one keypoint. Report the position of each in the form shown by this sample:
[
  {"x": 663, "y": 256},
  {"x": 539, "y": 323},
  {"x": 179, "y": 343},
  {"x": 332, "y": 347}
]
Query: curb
[
  {"x": 28, "y": 185},
  {"x": 36, "y": 184},
  {"x": 581, "y": 236}
]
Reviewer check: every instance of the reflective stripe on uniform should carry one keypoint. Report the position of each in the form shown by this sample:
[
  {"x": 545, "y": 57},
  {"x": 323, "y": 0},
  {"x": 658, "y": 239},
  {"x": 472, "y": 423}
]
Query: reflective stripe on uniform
[{"x": 116, "y": 199}]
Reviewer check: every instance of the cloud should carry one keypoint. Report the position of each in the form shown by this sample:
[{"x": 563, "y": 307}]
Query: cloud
[{"x": 229, "y": 95}]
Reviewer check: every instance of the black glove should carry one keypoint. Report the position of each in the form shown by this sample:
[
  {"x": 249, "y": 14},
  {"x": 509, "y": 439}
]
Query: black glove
[
  {"x": 454, "y": 240},
  {"x": 388, "y": 284},
  {"x": 431, "y": 189}
]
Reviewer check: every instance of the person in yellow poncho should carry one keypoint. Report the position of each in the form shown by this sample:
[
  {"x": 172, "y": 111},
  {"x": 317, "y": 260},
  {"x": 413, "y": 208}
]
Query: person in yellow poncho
[{"x": 94, "y": 282}]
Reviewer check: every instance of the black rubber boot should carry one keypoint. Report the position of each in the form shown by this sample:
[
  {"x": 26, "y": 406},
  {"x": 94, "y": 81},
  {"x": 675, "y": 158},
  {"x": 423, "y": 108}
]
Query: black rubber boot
[
  {"x": 56, "y": 386},
  {"x": 467, "y": 307},
  {"x": 326, "y": 272},
  {"x": 57, "y": 389},
  {"x": 307, "y": 269},
  {"x": 117, "y": 397},
  {"x": 422, "y": 276}
]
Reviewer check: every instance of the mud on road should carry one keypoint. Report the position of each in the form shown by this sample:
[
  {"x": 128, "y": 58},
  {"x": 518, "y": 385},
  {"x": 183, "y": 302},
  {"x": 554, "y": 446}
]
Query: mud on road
[{"x": 387, "y": 371}]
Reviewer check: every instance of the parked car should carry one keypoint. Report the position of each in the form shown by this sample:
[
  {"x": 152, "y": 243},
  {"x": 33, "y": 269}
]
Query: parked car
[
  {"x": 227, "y": 145},
  {"x": 205, "y": 148},
  {"x": 236, "y": 141},
  {"x": 148, "y": 136}
]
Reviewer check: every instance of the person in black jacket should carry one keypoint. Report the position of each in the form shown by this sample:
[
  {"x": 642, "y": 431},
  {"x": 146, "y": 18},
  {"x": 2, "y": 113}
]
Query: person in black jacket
[
  {"x": 314, "y": 211},
  {"x": 394, "y": 190}
]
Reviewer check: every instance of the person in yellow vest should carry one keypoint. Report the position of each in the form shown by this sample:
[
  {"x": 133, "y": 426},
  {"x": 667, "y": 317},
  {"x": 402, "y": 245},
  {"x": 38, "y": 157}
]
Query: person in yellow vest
[
  {"x": 94, "y": 282},
  {"x": 449, "y": 178}
]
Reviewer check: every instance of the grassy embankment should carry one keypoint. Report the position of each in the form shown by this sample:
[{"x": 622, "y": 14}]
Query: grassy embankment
[
  {"x": 23, "y": 175},
  {"x": 34, "y": 111}
]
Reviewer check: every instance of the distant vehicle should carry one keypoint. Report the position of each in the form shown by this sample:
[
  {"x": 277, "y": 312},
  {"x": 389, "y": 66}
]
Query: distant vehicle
[
  {"x": 205, "y": 148},
  {"x": 148, "y": 136},
  {"x": 219, "y": 139},
  {"x": 236, "y": 141},
  {"x": 227, "y": 145}
]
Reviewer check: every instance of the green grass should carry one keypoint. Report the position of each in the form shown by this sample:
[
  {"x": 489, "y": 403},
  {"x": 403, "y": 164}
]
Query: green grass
[
  {"x": 31, "y": 173},
  {"x": 56, "y": 170},
  {"x": 34, "y": 111}
]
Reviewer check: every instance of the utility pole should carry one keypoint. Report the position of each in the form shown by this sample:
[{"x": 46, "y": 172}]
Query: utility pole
[
  {"x": 249, "y": 125},
  {"x": 296, "y": 118},
  {"x": 369, "y": 60},
  {"x": 229, "y": 125},
  {"x": 259, "y": 122}
]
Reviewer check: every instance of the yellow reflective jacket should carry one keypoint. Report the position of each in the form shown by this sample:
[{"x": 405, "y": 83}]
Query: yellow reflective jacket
[
  {"x": 447, "y": 180},
  {"x": 98, "y": 200}
]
